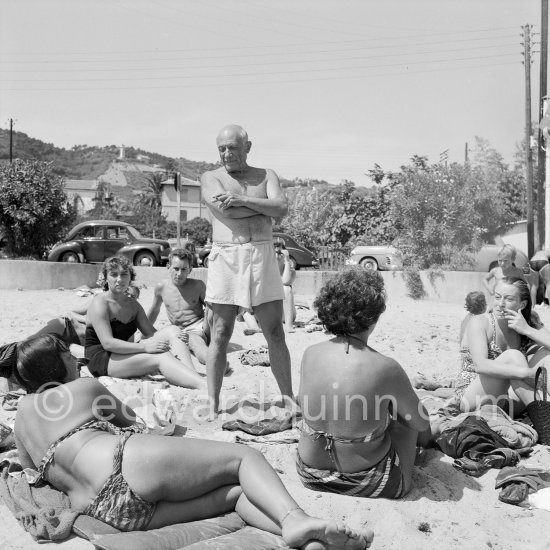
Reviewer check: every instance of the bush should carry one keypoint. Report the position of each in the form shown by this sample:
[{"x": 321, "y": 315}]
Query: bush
[{"x": 34, "y": 209}]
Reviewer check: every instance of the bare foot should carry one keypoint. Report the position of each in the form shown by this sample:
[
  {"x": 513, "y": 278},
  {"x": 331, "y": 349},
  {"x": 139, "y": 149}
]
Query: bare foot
[
  {"x": 250, "y": 331},
  {"x": 302, "y": 531}
]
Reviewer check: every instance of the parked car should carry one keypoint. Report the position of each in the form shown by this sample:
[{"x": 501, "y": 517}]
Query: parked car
[
  {"x": 94, "y": 241},
  {"x": 383, "y": 258},
  {"x": 300, "y": 256},
  {"x": 388, "y": 258}
]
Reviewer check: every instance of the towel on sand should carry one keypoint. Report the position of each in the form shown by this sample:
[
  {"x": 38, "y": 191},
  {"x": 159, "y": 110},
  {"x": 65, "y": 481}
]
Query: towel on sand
[
  {"x": 43, "y": 511},
  {"x": 255, "y": 357}
]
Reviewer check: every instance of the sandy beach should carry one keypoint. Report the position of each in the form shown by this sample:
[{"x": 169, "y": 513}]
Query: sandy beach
[{"x": 445, "y": 509}]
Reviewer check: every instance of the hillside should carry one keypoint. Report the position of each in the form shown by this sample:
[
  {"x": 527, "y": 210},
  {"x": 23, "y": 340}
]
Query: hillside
[{"x": 89, "y": 162}]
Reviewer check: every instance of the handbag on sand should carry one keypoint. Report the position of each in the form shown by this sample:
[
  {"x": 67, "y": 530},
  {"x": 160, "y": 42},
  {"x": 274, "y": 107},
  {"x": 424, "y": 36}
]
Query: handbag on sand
[{"x": 539, "y": 410}]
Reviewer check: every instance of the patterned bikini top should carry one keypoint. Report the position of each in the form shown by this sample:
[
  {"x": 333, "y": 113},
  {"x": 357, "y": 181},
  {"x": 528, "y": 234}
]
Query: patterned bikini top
[{"x": 102, "y": 425}]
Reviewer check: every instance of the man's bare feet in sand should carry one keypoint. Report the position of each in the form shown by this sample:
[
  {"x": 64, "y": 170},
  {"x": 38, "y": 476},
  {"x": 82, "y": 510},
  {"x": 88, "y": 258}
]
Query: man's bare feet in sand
[{"x": 302, "y": 531}]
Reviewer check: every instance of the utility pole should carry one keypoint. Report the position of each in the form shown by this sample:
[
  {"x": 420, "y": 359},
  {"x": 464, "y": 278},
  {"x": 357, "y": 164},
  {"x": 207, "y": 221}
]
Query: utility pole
[
  {"x": 11, "y": 140},
  {"x": 528, "y": 159},
  {"x": 541, "y": 154},
  {"x": 466, "y": 159}
]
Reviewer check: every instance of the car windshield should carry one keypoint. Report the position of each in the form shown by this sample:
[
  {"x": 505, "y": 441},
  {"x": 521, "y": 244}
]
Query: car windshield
[{"x": 134, "y": 232}]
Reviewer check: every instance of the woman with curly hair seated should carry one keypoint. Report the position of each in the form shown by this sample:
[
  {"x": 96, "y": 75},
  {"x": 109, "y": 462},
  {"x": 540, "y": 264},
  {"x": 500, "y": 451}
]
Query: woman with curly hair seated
[{"x": 361, "y": 416}]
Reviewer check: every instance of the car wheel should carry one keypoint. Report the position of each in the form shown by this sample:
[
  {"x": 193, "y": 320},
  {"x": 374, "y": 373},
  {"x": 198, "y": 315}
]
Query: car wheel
[
  {"x": 70, "y": 258},
  {"x": 145, "y": 258},
  {"x": 369, "y": 263},
  {"x": 205, "y": 261},
  {"x": 293, "y": 263}
]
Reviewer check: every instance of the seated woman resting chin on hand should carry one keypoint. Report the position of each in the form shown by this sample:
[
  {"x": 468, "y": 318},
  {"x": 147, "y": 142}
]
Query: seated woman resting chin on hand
[{"x": 498, "y": 354}]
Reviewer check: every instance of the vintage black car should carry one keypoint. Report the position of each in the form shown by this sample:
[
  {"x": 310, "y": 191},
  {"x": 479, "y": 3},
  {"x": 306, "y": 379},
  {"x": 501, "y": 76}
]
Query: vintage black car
[
  {"x": 300, "y": 256},
  {"x": 94, "y": 241}
]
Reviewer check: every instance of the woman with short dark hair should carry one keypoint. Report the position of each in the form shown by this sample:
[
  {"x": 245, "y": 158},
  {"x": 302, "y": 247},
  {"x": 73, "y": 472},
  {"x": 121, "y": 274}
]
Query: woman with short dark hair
[{"x": 361, "y": 416}]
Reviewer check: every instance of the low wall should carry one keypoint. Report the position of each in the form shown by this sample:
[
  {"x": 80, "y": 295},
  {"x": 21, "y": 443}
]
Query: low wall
[
  {"x": 31, "y": 275},
  {"x": 447, "y": 286}
]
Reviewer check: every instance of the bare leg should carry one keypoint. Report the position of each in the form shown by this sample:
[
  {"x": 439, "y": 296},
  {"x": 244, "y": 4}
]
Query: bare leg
[
  {"x": 289, "y": 309},
  {"x": 209, "y": 470},
  {"x": 198, "y": 346},
  {"x": 252, "y": 326},
  {"x": 269, "y": 316},
  {"x": 487, "y": 389},
  {"x": 177, "y": 346},
  {"x": 223, "y": 321},
  {"x": 128, "y": 366},
  {"x": 404, "y": 442}
]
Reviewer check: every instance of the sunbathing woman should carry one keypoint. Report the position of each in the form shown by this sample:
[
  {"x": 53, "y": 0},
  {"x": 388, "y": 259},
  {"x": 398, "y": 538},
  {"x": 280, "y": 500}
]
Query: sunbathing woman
[
  {"x": 361, "y": 416},
  {"x": 81, "y": 440},
  {"x": 113, "y": 318},
  {"x": 496, "y": 347}
]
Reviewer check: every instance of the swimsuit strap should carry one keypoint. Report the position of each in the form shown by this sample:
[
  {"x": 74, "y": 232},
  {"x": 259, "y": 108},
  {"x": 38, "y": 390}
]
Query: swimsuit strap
[{"x": 348, "y": 336}]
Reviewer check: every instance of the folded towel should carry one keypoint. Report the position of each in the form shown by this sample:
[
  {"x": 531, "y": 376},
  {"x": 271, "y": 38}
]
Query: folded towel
[{"x": 42, "y": 511}]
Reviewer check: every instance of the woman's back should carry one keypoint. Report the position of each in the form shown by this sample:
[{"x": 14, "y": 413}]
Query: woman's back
[{"x": 341, "y": 394}]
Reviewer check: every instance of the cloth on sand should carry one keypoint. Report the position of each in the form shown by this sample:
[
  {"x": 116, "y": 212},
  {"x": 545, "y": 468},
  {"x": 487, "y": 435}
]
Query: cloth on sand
[
  {"x": 472, "y": 434},
  {"x": 516, "y": 483},
  {"x": 245, "y": 275},
  {"x": 475, "y": 463},
  {"x": 42, "y": 511},
  {"x": 226, "y": 532},
  {"x": 517, "y": 435},
  {"x": 261, "y": 427},
  {"x": 255, "y": 357}
]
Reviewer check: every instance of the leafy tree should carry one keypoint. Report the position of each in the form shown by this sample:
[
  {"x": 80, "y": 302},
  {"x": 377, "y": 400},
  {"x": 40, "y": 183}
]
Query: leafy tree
[
  {"x": 442, "y": 213},
  {"x": 197, "y": 230},
  {"x": 34, "y": 209}
]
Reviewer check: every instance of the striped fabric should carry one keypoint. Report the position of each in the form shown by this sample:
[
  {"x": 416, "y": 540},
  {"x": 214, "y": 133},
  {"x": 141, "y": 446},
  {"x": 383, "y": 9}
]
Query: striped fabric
[{"x": 384, "y": 480}]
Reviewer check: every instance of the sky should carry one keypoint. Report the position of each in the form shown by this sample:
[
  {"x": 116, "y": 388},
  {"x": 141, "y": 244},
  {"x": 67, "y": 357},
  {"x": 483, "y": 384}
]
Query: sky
[{"x": 325, "y": 88}]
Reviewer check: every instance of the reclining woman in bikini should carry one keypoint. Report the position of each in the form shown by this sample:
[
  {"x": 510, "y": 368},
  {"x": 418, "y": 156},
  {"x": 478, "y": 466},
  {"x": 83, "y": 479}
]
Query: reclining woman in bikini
[
  {"x": 81, "y": 440},
  {"x": 113, "y": 318},
  {"x": 498, "y": 352},
  {"x": 361, "y": 416}
]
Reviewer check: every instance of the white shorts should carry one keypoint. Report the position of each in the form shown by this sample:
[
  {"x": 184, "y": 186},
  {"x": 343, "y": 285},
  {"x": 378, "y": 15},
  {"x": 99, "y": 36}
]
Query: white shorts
[{"x": 245, "y": 275}]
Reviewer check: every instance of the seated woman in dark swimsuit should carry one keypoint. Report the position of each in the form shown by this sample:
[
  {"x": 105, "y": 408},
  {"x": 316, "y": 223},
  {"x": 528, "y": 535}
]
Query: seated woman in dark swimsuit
[
  {"x": 82, "y": 440},
  {"x": 113, "y": 317},
  {"x": 361, "y": 416}
]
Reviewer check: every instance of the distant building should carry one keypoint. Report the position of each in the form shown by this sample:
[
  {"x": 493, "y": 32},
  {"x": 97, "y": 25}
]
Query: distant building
[
  {"x": 81, "y": 193},
  {"x": 192, "y": 205}
]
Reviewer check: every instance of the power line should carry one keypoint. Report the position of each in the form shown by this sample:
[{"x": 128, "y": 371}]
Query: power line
[
  {"x": 249, "y": 83},
  {"x": 256, "y": 54},
  {"x": 261, "y": 63}
]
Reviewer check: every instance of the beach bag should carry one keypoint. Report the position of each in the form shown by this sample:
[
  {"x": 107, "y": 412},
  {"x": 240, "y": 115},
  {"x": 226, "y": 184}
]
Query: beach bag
[{"x": 539, "y": 410}]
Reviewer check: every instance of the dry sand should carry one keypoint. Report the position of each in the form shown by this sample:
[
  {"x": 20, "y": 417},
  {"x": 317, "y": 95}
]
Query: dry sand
[{"x": 446, "y": 509}]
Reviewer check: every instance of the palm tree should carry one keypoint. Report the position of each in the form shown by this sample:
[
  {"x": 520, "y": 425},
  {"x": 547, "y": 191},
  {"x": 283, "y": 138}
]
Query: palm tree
[{"x": 151, "y": 196}]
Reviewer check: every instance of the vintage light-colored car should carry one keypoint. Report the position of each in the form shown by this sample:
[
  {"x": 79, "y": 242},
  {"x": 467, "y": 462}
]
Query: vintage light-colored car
[{"x": 388, "y": 258}]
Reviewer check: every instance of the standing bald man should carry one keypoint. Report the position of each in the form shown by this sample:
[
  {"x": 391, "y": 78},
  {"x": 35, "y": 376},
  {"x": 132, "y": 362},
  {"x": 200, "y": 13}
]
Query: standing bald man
[{"x": 242, "y": 267}]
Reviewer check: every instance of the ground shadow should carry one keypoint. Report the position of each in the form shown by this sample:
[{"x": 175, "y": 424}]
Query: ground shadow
[{"x": 436, "y": 479}]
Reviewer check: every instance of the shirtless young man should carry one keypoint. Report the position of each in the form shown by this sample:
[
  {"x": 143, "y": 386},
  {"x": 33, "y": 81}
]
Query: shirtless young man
[
  {"x": 242, "y": 269},
  {"x": 184, "y": 302}
]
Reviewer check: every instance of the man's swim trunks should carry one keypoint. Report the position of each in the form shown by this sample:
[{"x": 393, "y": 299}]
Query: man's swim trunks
[
  {"x": 196, "y": 327},
  {"x": 245, "y": 275}
]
